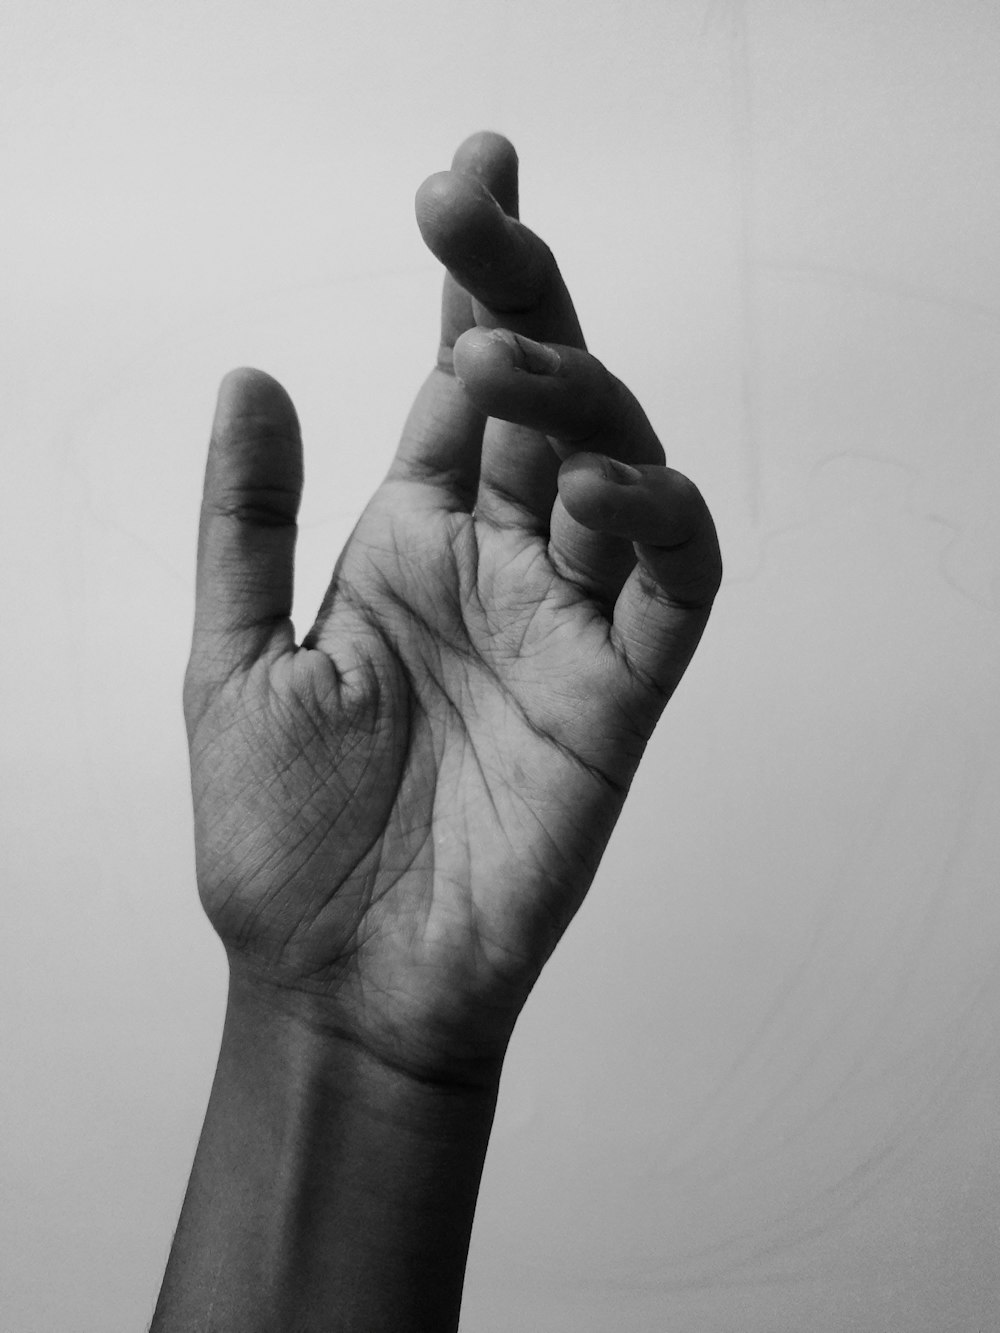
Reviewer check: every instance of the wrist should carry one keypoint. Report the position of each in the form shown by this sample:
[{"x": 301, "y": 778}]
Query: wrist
[
  {"x": 425, "y": 1052},
  {"x": 330, "y": 1190},
  {"x": 307, "y": 1044}
]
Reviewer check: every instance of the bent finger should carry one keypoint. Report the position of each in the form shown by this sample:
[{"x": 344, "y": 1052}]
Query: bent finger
[
  {"x": 514, "y": 282},
  {"x": 569, "y": 400},
  {"x": 441, "y": 443},
  {"x": 491, "y": 160},
  {"x": 510, "y": 273},
  {"x": 561, "y": 391},
  {"x": 664, "y": 605}
]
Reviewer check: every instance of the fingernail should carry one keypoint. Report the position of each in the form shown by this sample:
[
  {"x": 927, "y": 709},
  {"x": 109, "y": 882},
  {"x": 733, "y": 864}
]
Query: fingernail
[
  {"x": 619, "y": 472},
  {"x": 536, "y": 358}
]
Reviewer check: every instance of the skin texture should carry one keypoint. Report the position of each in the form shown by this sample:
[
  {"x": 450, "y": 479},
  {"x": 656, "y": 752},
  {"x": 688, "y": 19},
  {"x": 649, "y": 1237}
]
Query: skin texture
[{"x": 397, "y": 817}]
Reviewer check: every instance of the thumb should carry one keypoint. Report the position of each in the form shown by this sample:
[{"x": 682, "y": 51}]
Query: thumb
[{"x": 246, "y": 538}]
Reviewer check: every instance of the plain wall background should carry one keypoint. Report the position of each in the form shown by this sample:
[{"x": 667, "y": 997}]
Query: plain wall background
[{"x": 757, "y": 1089}]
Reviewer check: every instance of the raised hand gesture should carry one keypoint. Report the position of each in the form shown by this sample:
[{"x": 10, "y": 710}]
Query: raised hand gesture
[{"x": 398, "y": 815}]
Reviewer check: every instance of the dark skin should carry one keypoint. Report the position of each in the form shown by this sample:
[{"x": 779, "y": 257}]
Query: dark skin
[{"x": 397, "y": 817}]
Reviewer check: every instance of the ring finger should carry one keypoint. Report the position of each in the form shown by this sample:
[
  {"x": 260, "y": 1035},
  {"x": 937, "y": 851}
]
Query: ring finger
[{"x": 569, "y": 400}]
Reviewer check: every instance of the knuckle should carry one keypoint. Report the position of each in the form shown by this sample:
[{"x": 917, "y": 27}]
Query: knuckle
[{"x": 268, "y": 506}]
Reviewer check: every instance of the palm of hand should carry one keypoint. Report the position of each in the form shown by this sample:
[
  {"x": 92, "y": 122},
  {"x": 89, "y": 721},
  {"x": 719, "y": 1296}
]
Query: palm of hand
[
  {"x": 424, "y": 808},
  {"x": 398, "y": 818}
]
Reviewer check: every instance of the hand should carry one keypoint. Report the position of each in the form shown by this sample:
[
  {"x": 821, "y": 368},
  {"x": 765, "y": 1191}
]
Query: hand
[{"x": 397, "y": 818}]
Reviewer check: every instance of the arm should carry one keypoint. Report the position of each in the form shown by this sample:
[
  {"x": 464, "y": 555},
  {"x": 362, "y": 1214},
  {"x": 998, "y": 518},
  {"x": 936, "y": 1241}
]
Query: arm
[
  {"x": 328, "y": 1191},
  {"x": 396, "y": 818}
]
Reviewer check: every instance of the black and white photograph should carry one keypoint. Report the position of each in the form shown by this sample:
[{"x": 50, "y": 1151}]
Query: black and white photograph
[{"x": 500, "y": 736}]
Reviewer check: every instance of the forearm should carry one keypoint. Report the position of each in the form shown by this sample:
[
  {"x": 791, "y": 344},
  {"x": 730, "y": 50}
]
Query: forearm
[{"x": 328, "y": 1193}]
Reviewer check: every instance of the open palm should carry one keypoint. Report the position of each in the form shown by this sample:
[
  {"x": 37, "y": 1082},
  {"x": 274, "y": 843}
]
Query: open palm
[{"x": 397, "y": 818}]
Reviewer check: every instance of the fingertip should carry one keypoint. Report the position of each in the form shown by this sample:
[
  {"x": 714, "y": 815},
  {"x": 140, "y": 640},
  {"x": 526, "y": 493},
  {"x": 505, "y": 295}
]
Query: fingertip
[
  {"x": 602, "y": 468},
  {"x": 433, "y": 193},
  {"x": 593, "y": 489},
  {"x": 485, "y": 163},
  {"x": 654, "y": 506},
  {"x": 483, "y": 350},
  {"x": 486, "y": 152},
  {"x": 479, "y": 353},
  {"x": 683, "y": 557},
  {"x": 664, "y": 606},
  {"x": 250, "y": 385},
  {"x": 491, "y": 158},
  {"x": 458, "y": 213},
  {"x": 247, "y": 392}
]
